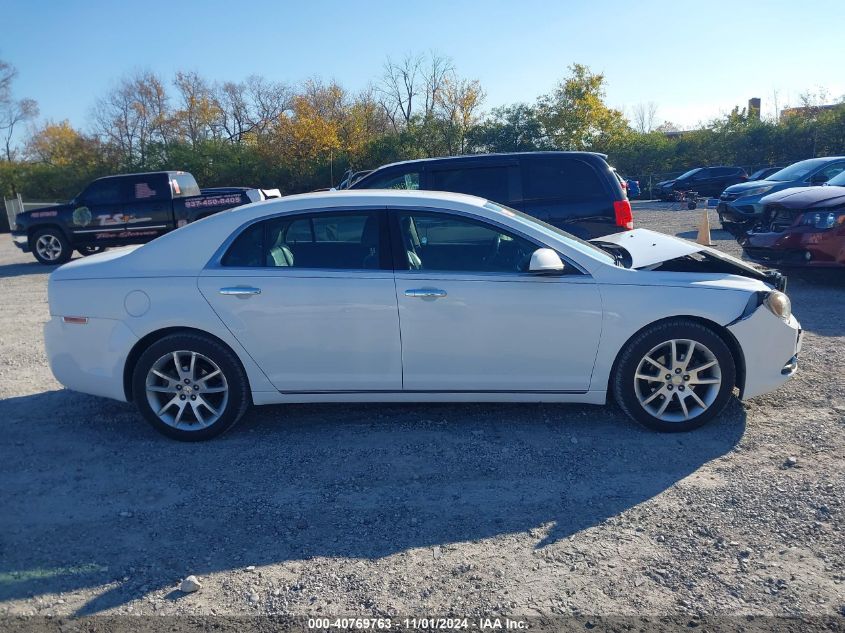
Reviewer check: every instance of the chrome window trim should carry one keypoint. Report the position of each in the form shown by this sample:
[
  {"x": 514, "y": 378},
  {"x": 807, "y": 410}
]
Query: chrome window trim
[{"x": 215, "y": 261}]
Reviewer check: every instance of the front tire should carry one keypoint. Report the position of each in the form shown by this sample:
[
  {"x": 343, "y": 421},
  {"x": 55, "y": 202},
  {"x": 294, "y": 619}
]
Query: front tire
[
  {"x": 190, "y": 387},
  {"x": 674, "y": 376},
  {"x": 51, "y": 247}
]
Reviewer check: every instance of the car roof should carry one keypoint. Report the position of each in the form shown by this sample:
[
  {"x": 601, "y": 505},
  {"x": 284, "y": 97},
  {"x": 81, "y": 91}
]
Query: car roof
[
  {"x": 172, "y": 172},
  {"x": 500, "y": 155}
]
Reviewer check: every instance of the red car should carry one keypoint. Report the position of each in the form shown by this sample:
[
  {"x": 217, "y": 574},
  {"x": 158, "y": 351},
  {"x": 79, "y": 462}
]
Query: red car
[{"x": 801, "y": 227}]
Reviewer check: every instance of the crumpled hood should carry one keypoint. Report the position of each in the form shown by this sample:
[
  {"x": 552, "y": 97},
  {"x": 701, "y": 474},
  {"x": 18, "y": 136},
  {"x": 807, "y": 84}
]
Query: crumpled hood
[
  {"x": 647, "y": 247},
  {"x": 807, "y": 197},
  {"x": 650, "y": 248}
]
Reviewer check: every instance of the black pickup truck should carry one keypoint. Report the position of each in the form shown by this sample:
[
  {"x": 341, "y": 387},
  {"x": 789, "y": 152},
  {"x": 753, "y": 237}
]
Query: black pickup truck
[{"x": 120, "y": 210}]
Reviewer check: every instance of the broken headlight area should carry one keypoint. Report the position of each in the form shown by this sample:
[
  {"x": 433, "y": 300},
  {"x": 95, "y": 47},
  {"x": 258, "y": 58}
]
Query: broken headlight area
[{"x": 822, "y": 220}]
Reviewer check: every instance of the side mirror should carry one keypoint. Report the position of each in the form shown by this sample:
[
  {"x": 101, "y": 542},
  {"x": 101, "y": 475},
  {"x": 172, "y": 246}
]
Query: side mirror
[
  {"x": 818, "y": 179},
  {"x": 545, "y": 260}
]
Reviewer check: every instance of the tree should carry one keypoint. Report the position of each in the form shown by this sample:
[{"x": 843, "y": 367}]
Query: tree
[
  {"x": 198, "y": 114},
  {"x": 133, "y": 116},
  {"x": 13, "y": 112},
  {"x": 459, "y": 101},
  {"x": 575, "y": 116},
  {"x": 60, "y": 145},
  {"x": 247, "y": 109},
  {"x": 515, "y": 128},
  {"x": 398, "y": 87},
  {"x": 645, "y": 116}
]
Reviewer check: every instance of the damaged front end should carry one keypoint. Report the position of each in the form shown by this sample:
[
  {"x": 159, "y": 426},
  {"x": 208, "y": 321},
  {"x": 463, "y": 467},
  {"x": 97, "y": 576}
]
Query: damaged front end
[
  {"x": 642, "y": 249},
  {"x": 797, "y": 237}
]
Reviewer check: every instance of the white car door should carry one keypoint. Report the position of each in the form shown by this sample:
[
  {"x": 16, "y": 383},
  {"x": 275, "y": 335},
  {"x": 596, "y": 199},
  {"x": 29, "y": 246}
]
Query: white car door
[
  {"x": 472, "y": 319},
  {"x": 312, "y": 299}
]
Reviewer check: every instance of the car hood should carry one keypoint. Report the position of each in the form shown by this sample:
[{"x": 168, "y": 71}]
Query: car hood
[
  {"x": 42, "y": 212},
  {"x": 751, "y": 184},
  {"x": 650, "y": 250},
  {"x": 808, "y": 197},
  {"x": 664, "y": 183}
]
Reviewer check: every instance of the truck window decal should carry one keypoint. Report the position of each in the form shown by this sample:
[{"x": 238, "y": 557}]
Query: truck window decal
[{"x": 143, "y": 190}]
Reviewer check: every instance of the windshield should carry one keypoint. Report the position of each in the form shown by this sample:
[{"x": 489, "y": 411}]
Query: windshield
[
  {"x": 797, "y": 171},
  {"x": 575, "y": 242},
  {"x": 689, "y": 173}
]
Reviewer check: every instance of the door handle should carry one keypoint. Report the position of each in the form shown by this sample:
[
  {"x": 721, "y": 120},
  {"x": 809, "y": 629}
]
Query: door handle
[
  {"x": 240, "y": 291},
  {"x": 425, "y": 293}
]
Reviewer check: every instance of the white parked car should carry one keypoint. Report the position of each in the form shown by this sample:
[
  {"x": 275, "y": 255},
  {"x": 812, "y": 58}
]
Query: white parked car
[{"x": 392, "y": 296}]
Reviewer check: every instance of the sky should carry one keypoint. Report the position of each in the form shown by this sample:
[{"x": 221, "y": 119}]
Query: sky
[{"x": 695, "y": 60}]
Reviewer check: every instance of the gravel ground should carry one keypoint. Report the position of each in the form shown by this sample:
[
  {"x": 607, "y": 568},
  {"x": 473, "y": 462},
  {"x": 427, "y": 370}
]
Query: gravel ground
[{"x": 435, "y": 509}]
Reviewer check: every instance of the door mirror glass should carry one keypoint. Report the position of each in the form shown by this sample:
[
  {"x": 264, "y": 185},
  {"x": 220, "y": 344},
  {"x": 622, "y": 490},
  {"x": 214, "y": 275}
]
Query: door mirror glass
[{"x": 545, "y": 260}]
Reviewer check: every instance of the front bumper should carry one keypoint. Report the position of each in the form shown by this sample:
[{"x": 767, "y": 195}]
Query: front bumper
[
  {"x": 770, "y": 346},
  {"x": 89, "y": 357},
  {"x": 799, "y": 246},
  {"x": 739, "y": 211},
  {"x": 21, "y": 241}
]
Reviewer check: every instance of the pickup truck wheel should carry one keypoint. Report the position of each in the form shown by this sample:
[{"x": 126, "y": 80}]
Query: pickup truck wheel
[
  {"x": 51, "y": 247},
  {"x": 85, "y": 251}
]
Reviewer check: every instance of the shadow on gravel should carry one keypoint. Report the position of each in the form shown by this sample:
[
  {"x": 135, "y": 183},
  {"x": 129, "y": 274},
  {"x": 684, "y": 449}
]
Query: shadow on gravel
[
  {"x": 92, "y": 495},
  {"x": 30, "y": 268}
]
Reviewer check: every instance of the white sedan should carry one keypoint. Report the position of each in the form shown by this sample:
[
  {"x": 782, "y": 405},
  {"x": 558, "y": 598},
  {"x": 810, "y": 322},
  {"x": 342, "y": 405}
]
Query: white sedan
[{"x": 385, "y": 296}]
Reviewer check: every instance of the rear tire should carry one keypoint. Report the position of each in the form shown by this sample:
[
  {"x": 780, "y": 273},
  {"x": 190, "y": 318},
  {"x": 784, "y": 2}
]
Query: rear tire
[
  {"x": 85, "y": 251},
  {"x": 190, "y": 387},
  {"x": 674, "y": 376},
  {"x": 51, "y": 247}
]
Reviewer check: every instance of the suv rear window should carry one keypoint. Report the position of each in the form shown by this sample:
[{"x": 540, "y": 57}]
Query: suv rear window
[
  {"x": 560, "y": 179},
  {"x": 485, "y": 182}
]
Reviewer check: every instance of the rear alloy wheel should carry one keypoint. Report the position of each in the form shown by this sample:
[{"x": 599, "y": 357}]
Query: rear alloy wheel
[
  {"x": 675, "y": 376},
  {"x": 190, "y": 387},
  {"x": 51, "y": 247}
]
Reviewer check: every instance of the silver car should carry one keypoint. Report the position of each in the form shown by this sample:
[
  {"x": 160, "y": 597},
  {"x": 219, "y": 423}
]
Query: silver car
[{"x": 739, "y": 205}]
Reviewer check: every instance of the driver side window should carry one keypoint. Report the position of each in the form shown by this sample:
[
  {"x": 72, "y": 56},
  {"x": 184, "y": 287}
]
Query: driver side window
[{"x": 441, "y": 242}]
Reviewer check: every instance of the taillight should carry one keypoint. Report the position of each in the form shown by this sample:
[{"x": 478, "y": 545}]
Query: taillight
[{"x": 624, "y": 215}]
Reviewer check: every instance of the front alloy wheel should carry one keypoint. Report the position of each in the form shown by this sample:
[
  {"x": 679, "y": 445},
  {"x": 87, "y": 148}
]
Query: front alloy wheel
[
  {"x": 678, "y": 380},
  {"x": 675, "y": 375},
  {"x": 190, "y": 386},
  {"x": 51, "y": 247}
]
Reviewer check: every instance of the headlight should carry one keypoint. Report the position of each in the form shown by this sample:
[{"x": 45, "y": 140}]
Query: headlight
[
  {"x": 822, "y": 221},
  {"x": 779, "y": 304},
  {"x": 756, "y": 191}
]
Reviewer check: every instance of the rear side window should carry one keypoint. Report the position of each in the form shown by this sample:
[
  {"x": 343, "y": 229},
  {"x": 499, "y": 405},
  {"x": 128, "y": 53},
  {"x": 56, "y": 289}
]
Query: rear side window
[
  {"x": 406, "y": 180},
  {"x": 343, "y": 241},
  {"x": 184, "y": 185},
  {"x": 725, "y": 171},
  {"x": 246, "y": 251},
  {"x": 146, "y": 188},
  {"x": 560, "y": 179},
  {"x": 485, "y": 182}
]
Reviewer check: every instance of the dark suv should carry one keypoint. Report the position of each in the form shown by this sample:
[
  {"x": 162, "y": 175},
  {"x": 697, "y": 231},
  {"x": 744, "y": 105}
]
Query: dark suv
[
  {"x": 707, "y": 181},
  {"x": 576, "y": 191}
]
